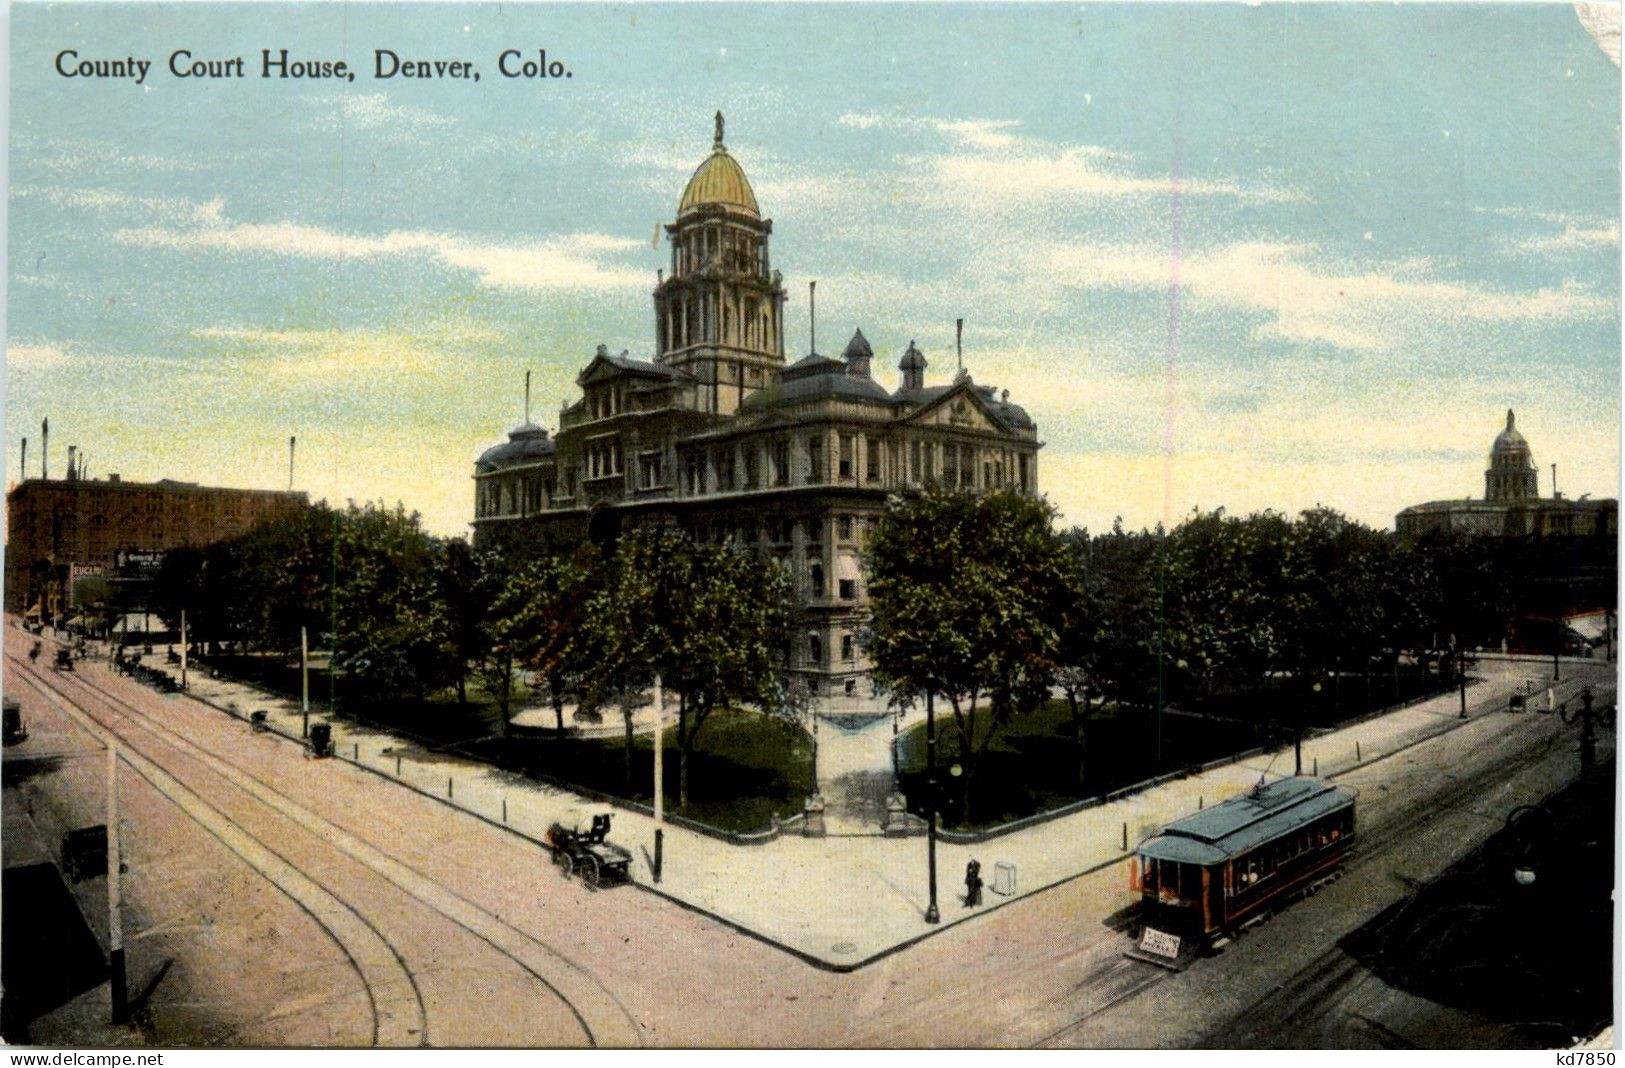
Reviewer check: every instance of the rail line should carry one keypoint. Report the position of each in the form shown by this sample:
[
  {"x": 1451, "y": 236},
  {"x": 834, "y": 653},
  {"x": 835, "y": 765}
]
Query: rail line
[
  {"x": 575, "y": 988},
  {"x": 377, "y": 963},
  {"x": 1116, "y": 982}
]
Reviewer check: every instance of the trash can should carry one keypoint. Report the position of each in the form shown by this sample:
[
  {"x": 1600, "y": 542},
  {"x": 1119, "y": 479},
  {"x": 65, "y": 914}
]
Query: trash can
[
  {"x": 321, "y": 739},
  {"x": 1004, "y": 878}
]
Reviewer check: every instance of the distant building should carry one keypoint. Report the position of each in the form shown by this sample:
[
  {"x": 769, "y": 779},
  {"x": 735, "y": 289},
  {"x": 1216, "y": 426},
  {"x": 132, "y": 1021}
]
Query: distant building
[
  {"x": 720, "y": 438},
  {"x": 61, "y": 530},
  {"x": 1512, "y": 505}
]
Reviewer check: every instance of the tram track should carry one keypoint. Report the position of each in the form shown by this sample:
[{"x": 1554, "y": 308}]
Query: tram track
[
  {"x": 377, "y": 964},
  {"x": 1114, "y": 983},
  {"x": 603, "y": 1020}
]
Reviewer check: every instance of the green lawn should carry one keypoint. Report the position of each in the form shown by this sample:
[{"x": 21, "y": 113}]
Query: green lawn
[
  {"x": 746, "y": 769},
  {"x": 1032, "y": 764}
]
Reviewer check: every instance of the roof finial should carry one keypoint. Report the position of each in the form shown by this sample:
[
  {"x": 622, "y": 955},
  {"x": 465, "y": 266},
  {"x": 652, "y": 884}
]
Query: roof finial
[
  {"x": 1509, "y": 418},
  {"x": 717, "y": 143}
]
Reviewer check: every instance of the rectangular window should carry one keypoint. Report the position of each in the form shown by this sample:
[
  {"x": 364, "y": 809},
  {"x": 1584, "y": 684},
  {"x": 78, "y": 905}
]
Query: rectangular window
[
  {"x": 649, "y": 470},
  {"x": 849, "y": 589},
  {"x": 871, "y": 460},
  {"x": 725, "y": 470},
  {"x": 846, "y": 456},
  {"x": 815, "y": 459},
  {"x": 846, "y": 647},
  {"x": 812, "y": 530},
  {"x": 967, "y": 467},
  {"x": 1021, "y": 472},
  {"x": 843, "y": 528},
  {"x": 750, "y": 468},
  {"x": 781, "y": 463},
  {"x": 950, "y": 463},
  {"x": 914, "y": 462}
]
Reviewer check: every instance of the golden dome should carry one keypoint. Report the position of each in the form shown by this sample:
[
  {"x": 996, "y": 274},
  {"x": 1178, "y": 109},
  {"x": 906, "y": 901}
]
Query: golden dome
[{"x": 719, "y": 180}]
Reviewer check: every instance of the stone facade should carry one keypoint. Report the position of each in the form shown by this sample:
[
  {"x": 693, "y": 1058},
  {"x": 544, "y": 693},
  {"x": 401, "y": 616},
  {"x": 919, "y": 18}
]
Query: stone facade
[{"x": 720, "y": 437}]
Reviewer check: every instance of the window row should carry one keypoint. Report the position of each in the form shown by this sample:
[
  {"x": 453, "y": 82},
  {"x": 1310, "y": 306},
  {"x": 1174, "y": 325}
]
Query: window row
[{"x": 802, "y": 461}]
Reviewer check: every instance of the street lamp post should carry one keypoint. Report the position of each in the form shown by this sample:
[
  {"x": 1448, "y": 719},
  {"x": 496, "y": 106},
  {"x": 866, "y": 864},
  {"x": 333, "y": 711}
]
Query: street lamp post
[
  {"x": 1587, "y": 717},
  {"x": 1461, "y": 678},
  {"x": 932, "y": 915},
  {"x": 660, "y": 779},
  {"x": 1297, "y": 736}
]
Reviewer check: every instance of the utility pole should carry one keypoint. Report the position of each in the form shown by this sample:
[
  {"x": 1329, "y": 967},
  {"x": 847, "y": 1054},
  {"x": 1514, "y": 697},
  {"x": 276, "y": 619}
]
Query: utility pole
[
  {"x": 183, "y": 650},
  {"x": 660, "y": 778},
  {"x": 1461, "y": 677},
  {"x": 932, "y": 915},
  {"x": 115, "y": 929},
  {"x": 304, "y": 684}
]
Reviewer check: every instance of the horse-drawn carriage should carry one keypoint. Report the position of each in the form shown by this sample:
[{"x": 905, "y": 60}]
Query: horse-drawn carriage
[{"x": 580, "y": 846}]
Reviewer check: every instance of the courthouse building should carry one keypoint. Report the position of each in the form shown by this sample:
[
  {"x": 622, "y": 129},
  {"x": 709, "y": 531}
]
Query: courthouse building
[
  {"x": 721, "y": 436},
  {"x": 61, "y": 530},
  {"x": 1512, "y": 504}
]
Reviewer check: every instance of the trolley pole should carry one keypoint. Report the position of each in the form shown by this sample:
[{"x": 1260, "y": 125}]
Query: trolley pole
[
  {"x": 115, "y": 929},
  {"x": 932, "y": 915},
  {"x": 660, "y": 779}
]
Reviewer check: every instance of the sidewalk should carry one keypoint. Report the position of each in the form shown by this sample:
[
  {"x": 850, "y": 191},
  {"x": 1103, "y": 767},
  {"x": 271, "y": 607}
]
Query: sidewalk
[{"x": 840, "y": 902}]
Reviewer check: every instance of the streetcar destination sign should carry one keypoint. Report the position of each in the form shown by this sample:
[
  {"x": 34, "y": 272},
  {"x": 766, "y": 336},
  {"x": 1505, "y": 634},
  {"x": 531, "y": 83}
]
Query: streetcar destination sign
[{"x": 1161, "y": 943}]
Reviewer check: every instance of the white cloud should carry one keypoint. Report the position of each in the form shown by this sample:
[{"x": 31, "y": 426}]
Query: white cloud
[
  {"x": 568, "y": 262},
  {"x": 1000, "y": 167},
  {"x": 1576, "y": 235},
  {"x": 1358, "y": 310},
  {"x": 174, "y": 209},
  {"x": 26, "y": 356}
]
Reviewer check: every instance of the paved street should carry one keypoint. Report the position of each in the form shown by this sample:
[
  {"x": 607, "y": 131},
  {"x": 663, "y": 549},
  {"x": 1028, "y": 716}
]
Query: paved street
[{"x": 308, "y": 856}]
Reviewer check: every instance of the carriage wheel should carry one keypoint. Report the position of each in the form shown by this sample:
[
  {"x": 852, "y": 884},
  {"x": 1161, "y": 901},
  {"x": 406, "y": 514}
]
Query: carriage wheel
[
  {"x": 566, "y": 865},
  {"x": 590, "y": 873}
]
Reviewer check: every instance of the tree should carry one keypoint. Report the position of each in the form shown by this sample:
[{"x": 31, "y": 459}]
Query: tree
[
  {"x": 537, "y": 616},
  {"x": 391, "y": 629},
  {"x": 965, "y": 592},
  {"x": 464, "y": 588},
  {"x": 710, "y": 619}
]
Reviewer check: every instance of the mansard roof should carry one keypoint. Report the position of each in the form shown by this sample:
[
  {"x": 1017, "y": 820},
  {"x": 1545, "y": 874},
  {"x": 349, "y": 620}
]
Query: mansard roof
[
  {"x": 813, "y": 364},
  {"x": 813, "y": 384}
]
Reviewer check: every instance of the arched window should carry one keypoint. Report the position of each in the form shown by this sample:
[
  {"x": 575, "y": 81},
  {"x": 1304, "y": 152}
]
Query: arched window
[{"x": 815, "y": 649}]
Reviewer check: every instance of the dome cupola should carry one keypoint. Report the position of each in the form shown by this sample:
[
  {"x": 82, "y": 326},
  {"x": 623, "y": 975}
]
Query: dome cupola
[
  {"x": 1511, "y": 474},
  {"x": 720, "y": 181}
]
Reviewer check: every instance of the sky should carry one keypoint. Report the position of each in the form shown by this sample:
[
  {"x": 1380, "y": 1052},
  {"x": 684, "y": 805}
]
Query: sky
[{"x": 1247, "y": 257}]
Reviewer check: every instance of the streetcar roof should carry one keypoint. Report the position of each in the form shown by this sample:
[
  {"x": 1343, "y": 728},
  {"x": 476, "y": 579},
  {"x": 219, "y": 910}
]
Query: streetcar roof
[{"x": 1248, "y": 820}]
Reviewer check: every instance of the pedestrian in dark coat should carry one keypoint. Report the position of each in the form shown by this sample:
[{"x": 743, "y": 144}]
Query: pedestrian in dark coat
[{"x": 973, "y": 884}]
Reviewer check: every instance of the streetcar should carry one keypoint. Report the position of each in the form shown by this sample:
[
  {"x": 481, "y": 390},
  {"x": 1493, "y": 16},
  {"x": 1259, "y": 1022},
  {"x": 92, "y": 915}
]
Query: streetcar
[
  {"x": 15, "y": 729},
  {"x": 1205, "y": 877}
]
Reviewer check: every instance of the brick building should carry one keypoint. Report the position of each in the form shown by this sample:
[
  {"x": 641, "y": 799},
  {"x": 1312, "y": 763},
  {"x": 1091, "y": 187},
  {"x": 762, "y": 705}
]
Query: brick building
[{"x": 60, "y": 530}]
